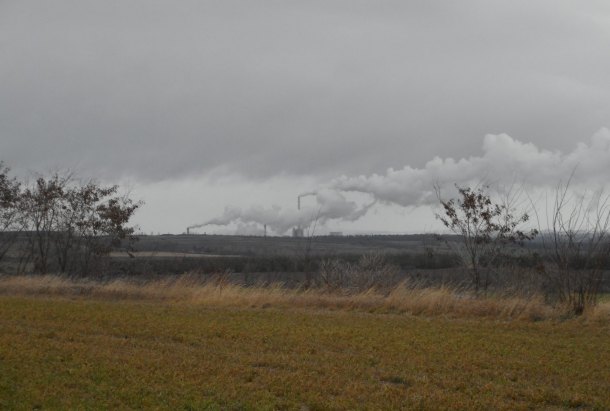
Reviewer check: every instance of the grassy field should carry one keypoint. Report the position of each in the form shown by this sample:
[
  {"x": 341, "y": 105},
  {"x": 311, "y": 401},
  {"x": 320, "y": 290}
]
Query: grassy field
[
  {"x": 120, "y": 353},
  {"x": 291, "y": 246}
]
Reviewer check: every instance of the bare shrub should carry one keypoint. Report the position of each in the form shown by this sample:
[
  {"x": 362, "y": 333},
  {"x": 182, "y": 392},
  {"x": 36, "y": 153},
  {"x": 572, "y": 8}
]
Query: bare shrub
[
  {"x": 576, "y": 246},
  {"x": 11, "y": 223},
  {"x": 373, "y": 271},
  {"x": 332, "y": 273},
  {"x": 370, "y": 271}
]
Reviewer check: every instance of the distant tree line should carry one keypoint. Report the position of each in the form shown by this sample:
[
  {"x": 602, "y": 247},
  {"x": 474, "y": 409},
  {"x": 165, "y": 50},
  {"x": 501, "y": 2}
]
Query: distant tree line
[
  {"x": 60, "y": 224},
  {"x": 158, "y": 266}
]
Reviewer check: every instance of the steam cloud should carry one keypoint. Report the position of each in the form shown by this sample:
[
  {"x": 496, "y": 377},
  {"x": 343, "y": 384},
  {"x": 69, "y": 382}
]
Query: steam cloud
[
  {"x": 329, "y": 205},
  {"x": 504, "y": 161}
]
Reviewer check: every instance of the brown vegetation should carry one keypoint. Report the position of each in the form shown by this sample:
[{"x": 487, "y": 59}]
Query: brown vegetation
[
  {"x": 405, "y": 298},
  {"x": 486, "y": 229},
  {"x": 64, "y": 225}
]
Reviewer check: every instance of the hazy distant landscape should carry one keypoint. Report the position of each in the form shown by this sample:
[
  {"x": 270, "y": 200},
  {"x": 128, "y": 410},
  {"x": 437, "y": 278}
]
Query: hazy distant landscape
[{"x": 301, "y": 322}]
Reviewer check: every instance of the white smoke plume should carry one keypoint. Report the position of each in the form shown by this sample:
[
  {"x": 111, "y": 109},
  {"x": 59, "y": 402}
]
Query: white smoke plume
[
  {"x": 504, "y": 161},
  {"x": 330, "y": 205}
]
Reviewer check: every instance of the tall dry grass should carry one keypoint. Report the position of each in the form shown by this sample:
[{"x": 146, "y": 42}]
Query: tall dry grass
[{"x": 404, "y": 298}]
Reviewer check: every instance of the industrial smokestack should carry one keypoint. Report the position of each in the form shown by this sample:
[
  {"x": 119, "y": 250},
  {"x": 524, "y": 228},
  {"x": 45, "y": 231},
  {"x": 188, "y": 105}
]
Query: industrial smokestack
[
  {"x": 330, "y": 205},
  {"x": 298, "y": 231},
  {"x": 313, "y": 193}
]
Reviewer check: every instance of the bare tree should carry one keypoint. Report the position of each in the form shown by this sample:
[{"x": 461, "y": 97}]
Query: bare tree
[
  {"x": 104, "y": 224},
  {"x": 93, "y": 219},
  {"x": 11, "y": 223},
  {"x": 576, "y": 245},
  {"x": 41, "y": 206},
  {"x": 71, "y": 225},
  {"x": 485, "y": 227}
]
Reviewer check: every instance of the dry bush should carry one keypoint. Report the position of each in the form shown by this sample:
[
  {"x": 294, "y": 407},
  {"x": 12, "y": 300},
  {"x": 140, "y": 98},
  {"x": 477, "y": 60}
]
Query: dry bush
[
  {"x": 332, "y": 273},
  {"x": 576, "y": 245},
  {"x": 405, "y": 298},
  {"x": 371, "y": 271},
  {"x": 374, "y": 271}
]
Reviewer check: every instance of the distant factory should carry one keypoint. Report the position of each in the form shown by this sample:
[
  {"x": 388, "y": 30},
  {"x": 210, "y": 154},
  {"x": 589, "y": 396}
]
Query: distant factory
[{"x": 299, "y": 231}]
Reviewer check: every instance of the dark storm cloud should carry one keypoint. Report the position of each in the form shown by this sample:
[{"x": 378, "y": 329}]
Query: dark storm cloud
[{"x": 154, "y": 89}]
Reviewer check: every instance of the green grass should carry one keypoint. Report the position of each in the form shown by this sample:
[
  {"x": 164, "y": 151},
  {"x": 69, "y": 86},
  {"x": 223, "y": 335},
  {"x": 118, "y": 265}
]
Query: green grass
[{"x": 83, "y": 354}]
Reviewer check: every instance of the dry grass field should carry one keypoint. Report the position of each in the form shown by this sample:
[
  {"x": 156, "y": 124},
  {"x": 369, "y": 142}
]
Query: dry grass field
[
  {"x": 182, "y": 345},
  {"x": 164, "y": 254}
]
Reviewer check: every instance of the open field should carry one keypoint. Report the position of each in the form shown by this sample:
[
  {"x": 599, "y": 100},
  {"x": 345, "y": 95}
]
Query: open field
[
  {"x": 163, "y": 254},
  {"x": 217, "y": 291},
  {"x": 234, "y": 348},
  {"x": 290, "y": 246}
]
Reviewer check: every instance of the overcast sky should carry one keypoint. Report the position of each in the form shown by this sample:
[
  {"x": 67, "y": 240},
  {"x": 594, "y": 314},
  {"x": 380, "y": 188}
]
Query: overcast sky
[{"x": 200, "y": 105}]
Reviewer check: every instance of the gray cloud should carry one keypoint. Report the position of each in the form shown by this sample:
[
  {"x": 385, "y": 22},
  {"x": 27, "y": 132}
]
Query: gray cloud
[
  {"x": 504, "y": 161},
  {"x": 161, "y": 89}
]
